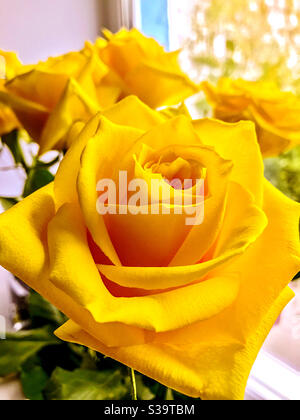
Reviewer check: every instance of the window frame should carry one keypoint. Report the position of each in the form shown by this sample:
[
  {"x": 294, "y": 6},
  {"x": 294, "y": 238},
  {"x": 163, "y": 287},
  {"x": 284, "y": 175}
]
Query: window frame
[{"x": 115, "y": 14}]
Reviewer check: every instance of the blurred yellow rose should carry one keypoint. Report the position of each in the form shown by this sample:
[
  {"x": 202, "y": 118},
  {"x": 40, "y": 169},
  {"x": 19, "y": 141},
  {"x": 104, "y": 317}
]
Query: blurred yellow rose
[
  {"x": 8, "y": 120},
  {"x": 50, "y": 96},
  {"x": 189, "y": 306},
  {"x": 275, "y": 113},
  {"x": 144, "y": 69},
  {"x": 9, "y": 64}
]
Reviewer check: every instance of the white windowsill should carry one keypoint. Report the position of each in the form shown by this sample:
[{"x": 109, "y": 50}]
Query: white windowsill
[{"x": 273, "y": 380}]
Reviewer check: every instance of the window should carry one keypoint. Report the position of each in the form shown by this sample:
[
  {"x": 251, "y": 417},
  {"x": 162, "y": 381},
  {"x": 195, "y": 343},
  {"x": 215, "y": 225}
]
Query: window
[{"x": 152, "y": 18}]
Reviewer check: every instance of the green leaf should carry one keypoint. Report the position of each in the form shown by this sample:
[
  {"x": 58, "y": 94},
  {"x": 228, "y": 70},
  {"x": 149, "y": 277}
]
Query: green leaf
[
  {"x": 59, "y": 356},
  {"x": 47, "y": 164},
  {"x": 34, "y": 379},
  {"x": 12, "y": 142},
  {"x": 86, "y": 385},
  {"x": 19, "y": 347},
  {"x": 12, "y": 356},
  {"x": 144, "y": 392},
  {"x": 7, "y": 203},
  {"x": 283, "y": 172},
  {"x": 169, "y": 395},
  {"x": 89, "y": 358},
  {"x": 44, "y": 335},
  {"x": 37, "y": 178},
  {"x": 158, "y": 390},
  {"x": 43, "y": 312}
]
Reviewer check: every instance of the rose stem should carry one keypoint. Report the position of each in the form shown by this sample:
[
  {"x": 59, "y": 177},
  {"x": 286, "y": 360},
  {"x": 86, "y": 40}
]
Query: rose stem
[{"x": 133, "y": 384}]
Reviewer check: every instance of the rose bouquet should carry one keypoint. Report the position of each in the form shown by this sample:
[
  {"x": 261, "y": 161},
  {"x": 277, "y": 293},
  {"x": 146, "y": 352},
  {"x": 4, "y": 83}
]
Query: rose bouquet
[
  {"x": 275, "y": 113},
  {"x": 188, "y": 305}
]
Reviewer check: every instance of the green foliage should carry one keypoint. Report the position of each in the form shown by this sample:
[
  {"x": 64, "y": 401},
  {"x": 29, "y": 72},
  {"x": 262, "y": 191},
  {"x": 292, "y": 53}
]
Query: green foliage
[
  {"x": 284, "y": 173},
  {"x": 38, "y": 169},
  {"x": 50, "y": 369},
  {"x": 18, "y": 348},
  {"x": 144, "y": 392},
  {"x": 12, "y": 141},
  {"x": 33, "y": 379},
  {"x": 86, "y": 385},
  {"x": 7, "y": 203},
  {"x": 37, "y": 178},
  {"x": 41, "y": 312}
]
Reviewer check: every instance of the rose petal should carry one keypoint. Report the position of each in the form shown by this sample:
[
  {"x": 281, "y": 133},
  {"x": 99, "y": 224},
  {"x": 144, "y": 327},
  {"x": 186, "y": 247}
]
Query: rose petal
[
  {"x": 73, "y": 105},
  {"x": 243, "y": 224},
  {"x": 238, "y": 143},
  {"x": 130, "y": 111},
  {"x": 209, "y": 370},
  {"x": 97, "y": 161}
]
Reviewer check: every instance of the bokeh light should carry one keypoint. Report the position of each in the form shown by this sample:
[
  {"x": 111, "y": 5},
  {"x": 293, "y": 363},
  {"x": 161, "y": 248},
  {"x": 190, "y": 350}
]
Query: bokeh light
[{"x": 250, "y": 39}]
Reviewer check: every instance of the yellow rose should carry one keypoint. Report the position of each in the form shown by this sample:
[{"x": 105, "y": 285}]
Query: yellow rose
[
  {"x": 9, "y": 64},
  {"x": 275, "y": 113},
  {"x": 8, "y": 120},
  {"x": 144, "y": 69},
  {"x": 49, "y": 97},
  {"x": 189, "y": 306}
]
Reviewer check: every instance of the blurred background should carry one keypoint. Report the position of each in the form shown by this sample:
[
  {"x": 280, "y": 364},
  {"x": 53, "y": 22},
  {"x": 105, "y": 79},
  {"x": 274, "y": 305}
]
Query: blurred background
[{"x": 252, "y": 39}]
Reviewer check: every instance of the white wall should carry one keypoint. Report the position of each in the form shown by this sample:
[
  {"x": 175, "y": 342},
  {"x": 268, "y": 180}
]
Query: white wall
[{"x": 37, "y": 29}]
